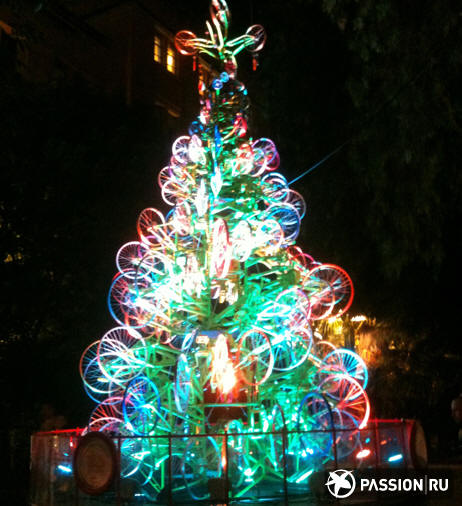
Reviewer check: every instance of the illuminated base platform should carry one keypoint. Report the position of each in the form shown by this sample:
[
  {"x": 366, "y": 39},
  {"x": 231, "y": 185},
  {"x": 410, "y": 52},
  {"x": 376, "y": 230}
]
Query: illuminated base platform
[{"x": 58, "y": 476}]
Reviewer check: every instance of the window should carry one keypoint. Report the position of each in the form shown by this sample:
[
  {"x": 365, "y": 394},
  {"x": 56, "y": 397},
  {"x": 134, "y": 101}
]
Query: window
[
  {"x": 157, "y": 49},
  {"x": 164, "y": 53},
  {"x": 170, "y": 59}
]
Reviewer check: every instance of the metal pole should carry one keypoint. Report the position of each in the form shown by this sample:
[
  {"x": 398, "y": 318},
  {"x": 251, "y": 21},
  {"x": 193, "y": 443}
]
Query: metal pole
[
  {"x": 284, "y": 463},
  {"x": 403, "y": 444},
  {"x": 50, "y": 472},
  {"x": 377, "y": 448},
  {"x": 76, "y": 496},
  {"x": 76, "y": 502},
  {"x": 77, "y": 490},
  {"x": 331, "y": 416},
  {"x": 170, "y": 466},
  {"x": 226, "y": 467},
  {"x": 118, "y": 472}
]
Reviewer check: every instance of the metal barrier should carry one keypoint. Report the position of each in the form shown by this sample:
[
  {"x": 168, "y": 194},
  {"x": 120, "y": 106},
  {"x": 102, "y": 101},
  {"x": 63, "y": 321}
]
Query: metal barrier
[{"x": 224, "y": 473}]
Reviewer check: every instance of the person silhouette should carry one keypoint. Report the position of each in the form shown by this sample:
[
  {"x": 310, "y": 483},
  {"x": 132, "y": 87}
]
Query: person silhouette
[{"x": 456, "y": 411}]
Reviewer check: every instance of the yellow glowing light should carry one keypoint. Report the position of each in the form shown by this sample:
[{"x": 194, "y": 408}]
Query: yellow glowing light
[
  {"x": 228, "y": 379},
  {"x": 157, "y": 49},
  {"x": 200, "y": 339},
  {"x": 359, "y": 318},
  {"x": 170, "y": 60},
  {"x": 223, "y": 374}
]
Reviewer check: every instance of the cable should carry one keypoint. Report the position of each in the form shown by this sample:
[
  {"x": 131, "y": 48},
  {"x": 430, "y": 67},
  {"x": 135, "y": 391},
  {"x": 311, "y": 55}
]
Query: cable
[
  {"x": 375, "y": 113},
  {"x": 332, "y": 153}
]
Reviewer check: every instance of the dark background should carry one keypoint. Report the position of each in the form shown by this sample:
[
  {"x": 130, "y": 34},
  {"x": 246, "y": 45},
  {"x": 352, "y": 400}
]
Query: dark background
[{"x": 78, "y": 165}]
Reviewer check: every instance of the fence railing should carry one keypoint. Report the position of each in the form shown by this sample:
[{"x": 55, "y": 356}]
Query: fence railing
[{"x": 224, "y": 468}]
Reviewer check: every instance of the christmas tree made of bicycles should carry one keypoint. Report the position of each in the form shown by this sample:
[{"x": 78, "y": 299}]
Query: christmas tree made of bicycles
[{"x": 216, "y": 308}]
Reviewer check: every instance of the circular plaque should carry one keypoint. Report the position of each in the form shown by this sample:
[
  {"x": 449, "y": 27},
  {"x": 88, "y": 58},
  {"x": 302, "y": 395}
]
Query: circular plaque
[{"x": 95, "y": 463}]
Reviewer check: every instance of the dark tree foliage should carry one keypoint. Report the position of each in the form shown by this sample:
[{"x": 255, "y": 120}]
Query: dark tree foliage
[
  {"x": 403, "y": 160},
  {"x": 382, "y": 76},
  {"x": 76, "y": 170}
]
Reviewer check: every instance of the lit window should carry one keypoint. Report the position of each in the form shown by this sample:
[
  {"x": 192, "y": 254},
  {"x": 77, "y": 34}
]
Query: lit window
[
  {"x": 157, "y": 49},
  {"x": 170, "y": 59}
]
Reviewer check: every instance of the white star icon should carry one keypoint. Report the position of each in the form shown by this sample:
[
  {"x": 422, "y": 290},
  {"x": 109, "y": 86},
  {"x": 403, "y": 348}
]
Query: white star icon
[{"x": 341, "y": 479}]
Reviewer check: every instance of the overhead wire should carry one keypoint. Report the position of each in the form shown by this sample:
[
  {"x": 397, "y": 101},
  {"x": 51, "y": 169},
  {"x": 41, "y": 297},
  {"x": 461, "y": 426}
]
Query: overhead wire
[{"x": 377, "y": 111}]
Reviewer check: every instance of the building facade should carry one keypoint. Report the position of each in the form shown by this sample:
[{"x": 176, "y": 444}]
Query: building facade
[{"x": 123, "y": 48}]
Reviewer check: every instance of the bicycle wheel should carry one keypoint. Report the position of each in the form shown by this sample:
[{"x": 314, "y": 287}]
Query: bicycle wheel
[
  {"x": 315, "y": 415},
  {"x": 185, "y": 43},
  {"x": 164, "y": 175},
  {"x": 183, "y": 383},
  {"x": 202, "y": 199},
  {"x": 269, "y": 151},
  {"x": 345, "y": 361},
  {"x": 340, "y": 282},
  {"x": 258, "y": 34},
  {"x": 255, "y": 357},
  {"x": 180, "y": 149},
  {"x": 141, "y": 406},
  {"x": 349, "y": 397},
  {"x": 237, "y": 453},
  {"x": 241, "y": 241},
  {"x": 273, "y": 185},
  {"x": 201, "y": 462},
  {"x": 221, "y": 250},
  {"x": 269, "y": 236},
  {"x": 287, "y": 216},
  {"x": 293, "y": 349},
  {"x": 295, "y": 200},
  {"x": 107, "y": 416},
  {"x": 121, "y": 355},
  {"x": 174, "y": 192},
  {"x": 196, "y": 151},
  {"x": 292, "y": 309},
  {"x": 321, "y": 295},
  {"x": 129, "y": 257},
  {"x": 150, "y": 222},
  {"x": 322, "y": 348},
  {"x": 97, "y": 386}
]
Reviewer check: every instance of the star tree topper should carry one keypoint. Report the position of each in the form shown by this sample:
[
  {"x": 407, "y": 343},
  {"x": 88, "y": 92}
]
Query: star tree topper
[{"x": 217, "y": 44}]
